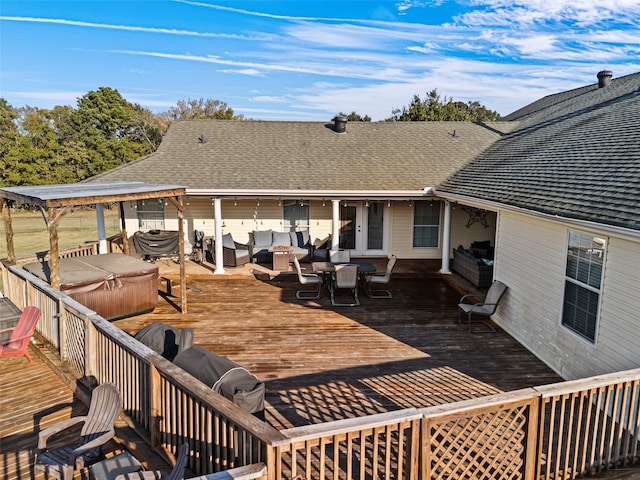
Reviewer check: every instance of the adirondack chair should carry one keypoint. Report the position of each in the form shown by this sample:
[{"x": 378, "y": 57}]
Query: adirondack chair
[
  {"x": 97, "y": 430},
  {"x": 177, "y": 473},
  {"x": 18, "y": 343}
]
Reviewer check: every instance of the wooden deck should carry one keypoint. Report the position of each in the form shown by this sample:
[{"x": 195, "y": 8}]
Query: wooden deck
[
  {"x": 323, "y": 363},
  {"x": 319, "y": 363}
]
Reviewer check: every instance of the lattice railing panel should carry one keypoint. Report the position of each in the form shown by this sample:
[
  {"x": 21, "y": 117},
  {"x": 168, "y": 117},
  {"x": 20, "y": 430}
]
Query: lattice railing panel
[{"x": 485, "y": 445}]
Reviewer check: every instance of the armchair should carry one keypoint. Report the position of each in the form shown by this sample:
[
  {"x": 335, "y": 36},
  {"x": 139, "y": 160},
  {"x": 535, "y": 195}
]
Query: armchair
[
  {"x": 486, "y": 306},
  {"x": 234, "y": 254}
]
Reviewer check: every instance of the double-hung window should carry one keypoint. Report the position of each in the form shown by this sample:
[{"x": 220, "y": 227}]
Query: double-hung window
[
  {"x": 426, "y": 223},
  {"x": 583, "y": 281},
  {"x": 150, "y": 214}
]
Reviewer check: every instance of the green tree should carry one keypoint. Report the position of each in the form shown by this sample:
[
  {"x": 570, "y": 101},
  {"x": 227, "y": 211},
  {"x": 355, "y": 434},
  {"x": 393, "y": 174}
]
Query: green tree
[
  {"x": 355, "y": 117},
  {"x": 9, "y": 137},
  {"x": 106, "y": 123},
  {"x": 202, "y": 109},
  {"x": 434, "y": 108}
]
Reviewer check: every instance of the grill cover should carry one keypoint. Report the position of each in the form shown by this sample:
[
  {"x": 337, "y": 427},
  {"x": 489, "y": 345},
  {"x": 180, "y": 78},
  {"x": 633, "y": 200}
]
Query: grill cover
[
  {"x": 225, "y": 377},
  {"x": 157, "y": 242},
  {"x": 165, "y": 340}
]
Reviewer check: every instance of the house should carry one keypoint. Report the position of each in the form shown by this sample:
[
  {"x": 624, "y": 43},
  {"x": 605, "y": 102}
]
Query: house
[
  {"x": 565, "y": 184},
  {"x": 368, "y": 184},
  {"x": 554, "y": 189}
]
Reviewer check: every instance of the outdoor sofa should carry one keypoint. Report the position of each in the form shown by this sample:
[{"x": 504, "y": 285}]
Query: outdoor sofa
[
  {"x": 261, "y": 240},
  {"x": 472, "y": 265}
]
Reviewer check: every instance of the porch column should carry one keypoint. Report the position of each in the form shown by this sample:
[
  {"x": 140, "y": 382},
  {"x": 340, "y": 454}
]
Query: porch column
[
  {"x": 335, "y": 225},
  {"x": 102, "y": 236},
  {"x": 217, "y": 216},
  {"x": 446, "y": 237}
]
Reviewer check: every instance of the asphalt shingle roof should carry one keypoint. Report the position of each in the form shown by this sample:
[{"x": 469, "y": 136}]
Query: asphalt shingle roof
[
  {"x": 575, "y": 155},
  {"x": 309, "y": 155}
]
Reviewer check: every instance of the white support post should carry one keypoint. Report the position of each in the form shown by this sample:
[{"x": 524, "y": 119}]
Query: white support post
[
  {"x": 446, "y": 237},
  {"x": 217, "y": 213},
  {"x": 335, "y": 225},
  {"x": 102, "y": 236}
]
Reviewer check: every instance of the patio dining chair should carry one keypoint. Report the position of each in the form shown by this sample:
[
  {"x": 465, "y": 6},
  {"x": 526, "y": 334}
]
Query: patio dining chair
[
  {"x": 379, "y": 279},
  {"x": 483, "y": 306},
  {"x": 98, "y": 428},
  {"x": 345, "y": 277},
  {"x": 307, "y": 279}
]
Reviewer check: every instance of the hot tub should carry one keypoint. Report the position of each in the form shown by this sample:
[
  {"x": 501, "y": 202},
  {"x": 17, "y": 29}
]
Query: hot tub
[{"x": 114, "y": 285}]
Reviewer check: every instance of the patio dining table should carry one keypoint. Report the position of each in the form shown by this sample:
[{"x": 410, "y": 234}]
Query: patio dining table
[{"x": 328, "y": 267}]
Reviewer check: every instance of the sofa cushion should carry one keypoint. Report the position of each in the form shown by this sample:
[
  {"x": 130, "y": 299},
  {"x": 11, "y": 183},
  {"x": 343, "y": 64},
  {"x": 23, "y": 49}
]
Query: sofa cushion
[
  {"x": 262, "y": 238},
  {"x": 281, "y": 238},
  {"x": 300, "y": 239},
  {"x": 227, "y": 241}
]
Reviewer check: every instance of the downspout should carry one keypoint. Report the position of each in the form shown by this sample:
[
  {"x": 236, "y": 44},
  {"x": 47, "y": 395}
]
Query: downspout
[
  {"x": 446, "y": 237},
  {"x": 217, "y": 214}
]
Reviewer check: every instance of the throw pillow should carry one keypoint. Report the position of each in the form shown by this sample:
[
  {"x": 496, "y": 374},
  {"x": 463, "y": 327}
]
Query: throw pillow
[
  {"x": 262, "y": 238},
  {"x": 281, "y": 238}
]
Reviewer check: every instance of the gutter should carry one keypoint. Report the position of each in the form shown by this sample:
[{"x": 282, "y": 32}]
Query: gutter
[
  {"x": 316, "y": 194},
  {"x": 628, "y": 233}
]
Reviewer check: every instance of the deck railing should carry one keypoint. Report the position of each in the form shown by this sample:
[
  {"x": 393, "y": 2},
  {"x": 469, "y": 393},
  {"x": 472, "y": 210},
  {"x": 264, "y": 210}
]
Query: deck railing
[{"x": 559, "y": 431}]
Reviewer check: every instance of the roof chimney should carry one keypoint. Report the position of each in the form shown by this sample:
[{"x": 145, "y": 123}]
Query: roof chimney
[
  {"x": 340, "y": 124},
  {"x": 604, "y": 78}
]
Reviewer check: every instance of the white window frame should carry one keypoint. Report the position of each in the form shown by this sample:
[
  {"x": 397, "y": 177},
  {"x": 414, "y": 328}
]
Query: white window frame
[
  {"x": 584, "y": 286},
  {"x": 150, "y": 214},
  {"x": 436, "y": 225}
]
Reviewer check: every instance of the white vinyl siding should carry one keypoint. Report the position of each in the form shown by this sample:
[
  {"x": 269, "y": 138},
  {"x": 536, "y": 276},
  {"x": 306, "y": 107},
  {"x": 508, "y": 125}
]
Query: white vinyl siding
[{"x": 531, "y": 261}]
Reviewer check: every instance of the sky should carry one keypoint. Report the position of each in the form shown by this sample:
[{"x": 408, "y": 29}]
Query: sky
[{"x": 309, "y": 60}]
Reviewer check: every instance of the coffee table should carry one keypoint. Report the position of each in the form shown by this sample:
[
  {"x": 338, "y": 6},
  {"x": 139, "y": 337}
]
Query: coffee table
[{"x": 281, "y": 257}]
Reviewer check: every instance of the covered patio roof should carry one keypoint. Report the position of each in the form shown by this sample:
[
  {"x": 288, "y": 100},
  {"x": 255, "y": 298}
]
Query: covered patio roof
[{"x": 55, "y": 201}]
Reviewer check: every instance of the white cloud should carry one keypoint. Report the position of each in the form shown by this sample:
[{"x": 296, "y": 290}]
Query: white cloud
[
  {"x": 132, "y": 28},
  {"x": 251, "y": 72}
]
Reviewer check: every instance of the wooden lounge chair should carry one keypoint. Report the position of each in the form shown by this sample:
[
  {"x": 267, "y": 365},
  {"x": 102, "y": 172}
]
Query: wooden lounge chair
[
  {"x": 97, "y": 430},
  {"x": 485, "y": 307},
  {"x": 18, "y": 342}
]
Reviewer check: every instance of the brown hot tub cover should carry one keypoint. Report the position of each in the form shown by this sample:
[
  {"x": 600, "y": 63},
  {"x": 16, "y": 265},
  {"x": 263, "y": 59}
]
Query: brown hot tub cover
[{"x": 113, "y": 285}]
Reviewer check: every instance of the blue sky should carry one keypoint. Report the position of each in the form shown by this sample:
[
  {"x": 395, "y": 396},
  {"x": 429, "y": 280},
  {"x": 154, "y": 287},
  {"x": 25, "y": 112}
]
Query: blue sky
[{"x": 308, "y": 60}]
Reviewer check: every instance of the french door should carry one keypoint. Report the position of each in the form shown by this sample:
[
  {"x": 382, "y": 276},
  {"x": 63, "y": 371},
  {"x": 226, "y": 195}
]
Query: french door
[{"x": 364, "y": 228}]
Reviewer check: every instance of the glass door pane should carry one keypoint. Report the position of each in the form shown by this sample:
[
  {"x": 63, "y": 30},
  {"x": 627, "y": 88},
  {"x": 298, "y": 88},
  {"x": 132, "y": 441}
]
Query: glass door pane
[
  {"x": 375, "y": 226},
  {"x": 348, "y": 222}
]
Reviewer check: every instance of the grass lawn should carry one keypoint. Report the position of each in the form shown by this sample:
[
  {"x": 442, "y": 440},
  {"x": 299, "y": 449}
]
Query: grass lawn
[{"x": 30, "y": 233}]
